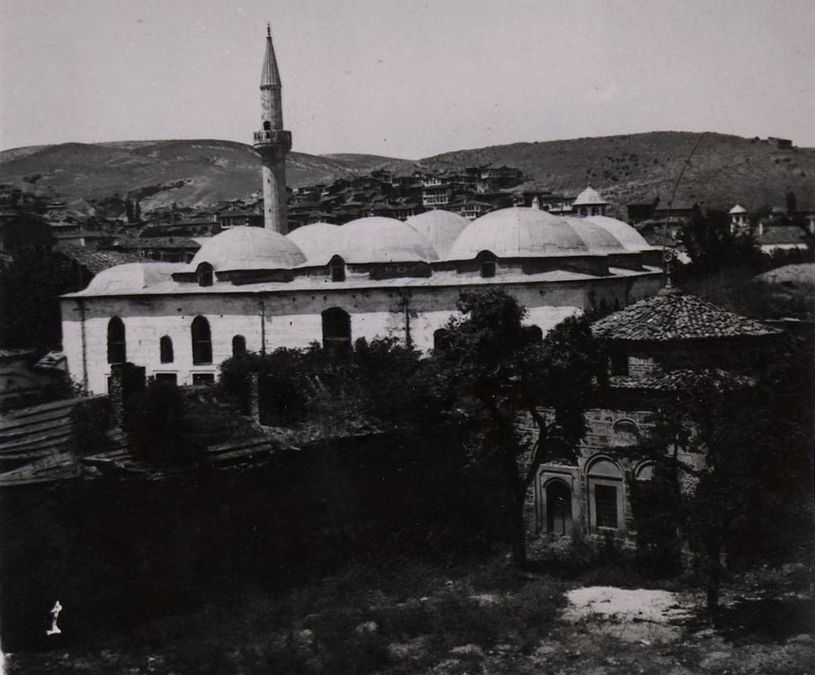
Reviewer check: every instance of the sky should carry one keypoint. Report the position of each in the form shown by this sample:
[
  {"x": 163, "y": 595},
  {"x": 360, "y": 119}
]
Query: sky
[{"x": 405, "y": 78}]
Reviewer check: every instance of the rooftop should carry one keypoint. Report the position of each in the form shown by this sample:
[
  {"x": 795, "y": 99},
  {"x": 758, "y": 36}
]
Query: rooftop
[{"x": 674, "y": 315}]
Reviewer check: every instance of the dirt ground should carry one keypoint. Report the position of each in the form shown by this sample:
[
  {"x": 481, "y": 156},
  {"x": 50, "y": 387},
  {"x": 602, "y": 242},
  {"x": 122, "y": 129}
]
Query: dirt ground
[{"x": 482, "y": 623}]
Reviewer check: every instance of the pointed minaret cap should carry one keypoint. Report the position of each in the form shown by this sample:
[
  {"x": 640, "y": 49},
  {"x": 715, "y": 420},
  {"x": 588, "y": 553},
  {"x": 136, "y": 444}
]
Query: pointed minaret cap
[{"x": 269, "y": 76}]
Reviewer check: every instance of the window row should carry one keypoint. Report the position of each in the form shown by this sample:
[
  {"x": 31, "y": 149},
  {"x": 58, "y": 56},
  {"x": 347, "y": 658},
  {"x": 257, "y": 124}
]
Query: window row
[
  {"x": 336, "y": 334},
  {"x": 200, "y": 335}
]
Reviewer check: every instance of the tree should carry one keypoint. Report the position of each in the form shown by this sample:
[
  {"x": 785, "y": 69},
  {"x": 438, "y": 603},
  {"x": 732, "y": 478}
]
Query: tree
[
  {"x": 713, "y": 247},
  {"x": 497, "y": 366},
  {"x": 29, "y": 299},
  {"x": 751, "y": 500}
]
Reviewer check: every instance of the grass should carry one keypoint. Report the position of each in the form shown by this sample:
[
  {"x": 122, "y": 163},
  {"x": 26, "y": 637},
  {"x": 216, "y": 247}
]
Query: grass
[{"x": 403, "y": 618}]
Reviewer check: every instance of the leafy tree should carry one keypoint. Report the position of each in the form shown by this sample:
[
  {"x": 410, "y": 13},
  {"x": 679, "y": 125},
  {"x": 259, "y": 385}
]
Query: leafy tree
[
  {"x": 29, "y": 299},
  {"x": 712, "y": 246},
  {"x": 496, "y": 366},
  {"x": 752, "y": 499}
]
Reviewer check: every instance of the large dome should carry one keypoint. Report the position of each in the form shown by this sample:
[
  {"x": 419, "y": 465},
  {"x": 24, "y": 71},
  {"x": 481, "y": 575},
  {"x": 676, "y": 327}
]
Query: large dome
[
  {"x": 597, "y": 239},
  {"x": 519, "y": 232},
  {"x": 622, "y": 232},
  {"x": 376, "y": 239},
  {"x": 441, "y": 228},
  {"x": 248, "y": 248},
  {"x": 131, "y": 277},
  {"x": 318, "y": 241}
]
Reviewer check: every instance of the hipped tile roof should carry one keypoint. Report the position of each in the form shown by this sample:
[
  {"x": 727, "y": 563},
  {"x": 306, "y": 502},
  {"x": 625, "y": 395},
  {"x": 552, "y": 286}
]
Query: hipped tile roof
[{"x": 674, "y": 315}]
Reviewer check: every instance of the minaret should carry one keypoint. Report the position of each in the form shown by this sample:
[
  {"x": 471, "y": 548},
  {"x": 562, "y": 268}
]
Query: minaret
[{"x": 272, "y": 143}]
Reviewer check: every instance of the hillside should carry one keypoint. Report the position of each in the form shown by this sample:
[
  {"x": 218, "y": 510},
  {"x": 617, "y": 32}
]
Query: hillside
[
  {"x": 725, "y": 169},
  {"x": 188, "y": 172}
]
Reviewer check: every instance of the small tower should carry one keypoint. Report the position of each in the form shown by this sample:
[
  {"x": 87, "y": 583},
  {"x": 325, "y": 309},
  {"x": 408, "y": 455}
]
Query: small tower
[
  {"x": 272, "y": 143},
  {"x": 738, "y": 218}
]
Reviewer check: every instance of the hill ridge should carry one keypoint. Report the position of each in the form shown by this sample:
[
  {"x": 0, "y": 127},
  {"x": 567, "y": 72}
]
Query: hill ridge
[{"x": 628, "y": 167}]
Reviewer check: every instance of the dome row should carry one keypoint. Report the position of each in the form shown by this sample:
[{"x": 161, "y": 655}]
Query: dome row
[{"x": 516, "y": 232}]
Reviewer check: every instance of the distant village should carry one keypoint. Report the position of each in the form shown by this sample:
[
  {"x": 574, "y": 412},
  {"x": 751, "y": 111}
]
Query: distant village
[{"x": 174, "y": 234}]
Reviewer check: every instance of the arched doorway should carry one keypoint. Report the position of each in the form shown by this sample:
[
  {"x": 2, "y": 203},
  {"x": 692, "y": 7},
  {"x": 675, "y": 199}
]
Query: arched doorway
[
  {"x": 336, "y": 331},
  {"x": 558, "y": 508}
]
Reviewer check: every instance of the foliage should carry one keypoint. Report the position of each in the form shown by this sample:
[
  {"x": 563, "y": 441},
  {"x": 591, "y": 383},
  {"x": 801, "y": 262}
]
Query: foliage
[
  {"x": 494, "y": 365},
  {"x": 712, "y": 246},
  {"x": 751, "y": 499},
  {"x": 381, "y": 380},
  {"x": 29, "y": 300}
]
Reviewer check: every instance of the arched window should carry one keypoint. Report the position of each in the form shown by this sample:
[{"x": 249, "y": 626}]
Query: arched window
[
  {"x": 238, "y": 345},
  {"x": 117, "y": 346},
  {"x": 337, "y": 330},
  {"x": 486, "y": 264},
  {"x": 605, "y": 481},
  {"x": 337, "y": 268},
  {"x": 165, "y": 346},
  {"x": 267, "y": 125},
  {"x": 441, "y": 339},
  {"x": 201, "y": 341},
  {"x": 645, "y": 471},
  {"x": 625, "y": 433},
  {"x": 205, "y": 275},
  {"x": 595, "y": 211}
]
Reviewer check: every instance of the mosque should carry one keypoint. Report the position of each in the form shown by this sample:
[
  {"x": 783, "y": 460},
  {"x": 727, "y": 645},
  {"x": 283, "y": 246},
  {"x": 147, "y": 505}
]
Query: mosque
[{"x": 259, "y": 289}]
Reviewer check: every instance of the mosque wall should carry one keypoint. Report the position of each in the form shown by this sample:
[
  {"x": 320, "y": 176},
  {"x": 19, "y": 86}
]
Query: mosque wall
[{"x": 292, "y": 319}]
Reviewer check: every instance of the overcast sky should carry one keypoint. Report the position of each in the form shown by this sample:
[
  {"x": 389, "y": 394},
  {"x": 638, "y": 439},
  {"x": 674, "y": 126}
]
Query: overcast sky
[{"x": 405, "y": 78}]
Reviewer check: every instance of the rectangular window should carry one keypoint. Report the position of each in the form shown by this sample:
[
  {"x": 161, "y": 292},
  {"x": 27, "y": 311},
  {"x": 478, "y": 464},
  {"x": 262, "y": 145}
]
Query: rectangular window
[
  {"x": 170, "y": 378},
  {"x": 605, "y": 505},
  {"x": 203, "y": 378}
]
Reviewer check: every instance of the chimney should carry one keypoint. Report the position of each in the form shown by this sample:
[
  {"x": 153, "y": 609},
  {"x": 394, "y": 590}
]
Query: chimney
[
  {"x": 125, "y": 380},
  {"x": 254, "y": 397}
]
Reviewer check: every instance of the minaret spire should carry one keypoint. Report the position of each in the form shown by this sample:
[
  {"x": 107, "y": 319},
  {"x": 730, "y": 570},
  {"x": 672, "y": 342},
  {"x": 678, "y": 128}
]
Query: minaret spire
[{"x": 272, "y": 142}]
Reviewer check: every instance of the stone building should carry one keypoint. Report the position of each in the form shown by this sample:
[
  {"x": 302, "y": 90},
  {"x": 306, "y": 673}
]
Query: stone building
[
  {"x": 257, "y": 289},
  {"x": 655, "y": 345}
]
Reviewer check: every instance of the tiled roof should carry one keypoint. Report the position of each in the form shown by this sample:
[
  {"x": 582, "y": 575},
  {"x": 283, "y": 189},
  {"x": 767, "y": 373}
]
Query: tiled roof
[
  {"x": 674, "y": 315},
  {"x": 677, "y": 380},
  {"x": 36, "y": 432},
  {"x": 97, "y": 261},
  {"x": 781, "y": 234}
]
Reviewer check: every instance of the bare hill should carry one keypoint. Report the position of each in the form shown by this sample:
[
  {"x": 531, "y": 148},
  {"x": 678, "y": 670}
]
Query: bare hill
[
  {"x": 188, "y": 172},
  {"x": 725, "y": 169}
]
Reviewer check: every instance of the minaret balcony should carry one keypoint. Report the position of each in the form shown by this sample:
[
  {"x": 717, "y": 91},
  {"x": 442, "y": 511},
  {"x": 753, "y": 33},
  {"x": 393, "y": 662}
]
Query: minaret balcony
[{"x": 277, "y": 137}]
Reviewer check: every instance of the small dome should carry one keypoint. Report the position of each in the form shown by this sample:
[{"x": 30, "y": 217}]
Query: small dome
[
  {"x": 319, "y": 242},
  {"x": 519, "y": 232},
  {"x": 131, "y": 277},
  {"x": 738, "y": 208},
  {"x": 441, "y": 228},
  {"x": 383, "y": 240},
  {"x": 622, "y": 232},
  {"x": 248, "y": 248},
  {"x": 596, "y": 238},
  {"x": 589, "y": 197}
]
